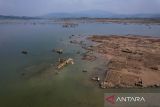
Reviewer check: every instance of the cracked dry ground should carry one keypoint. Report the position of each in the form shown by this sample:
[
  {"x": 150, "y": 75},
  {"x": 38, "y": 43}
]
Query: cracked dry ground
[{"x": 134, "y": 61}]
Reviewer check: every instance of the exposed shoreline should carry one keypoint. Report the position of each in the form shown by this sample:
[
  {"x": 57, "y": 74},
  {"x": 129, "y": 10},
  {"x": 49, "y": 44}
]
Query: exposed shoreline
[
  {"x": 134, "y": 61},
  {"x": 146, "y": 21},
  {"x": 75, "y": 21}
]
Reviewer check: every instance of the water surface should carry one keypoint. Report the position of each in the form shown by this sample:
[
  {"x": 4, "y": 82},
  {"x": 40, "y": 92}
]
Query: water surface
[{"x": 30, "y": 80}]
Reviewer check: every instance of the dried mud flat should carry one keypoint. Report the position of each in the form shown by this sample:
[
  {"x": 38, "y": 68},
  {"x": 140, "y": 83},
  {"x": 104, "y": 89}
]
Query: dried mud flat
[{"x": 134, "y": 61}]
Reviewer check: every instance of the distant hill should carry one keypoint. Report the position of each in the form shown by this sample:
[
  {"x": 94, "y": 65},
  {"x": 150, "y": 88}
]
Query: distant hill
[
  {"x": 139, "y": 16},
  {"x": 17, "y": 17},
  {"x": 89, "y": 14},
  {"x": 98, "y": 14},
  {"x": 86, "y": 14}
]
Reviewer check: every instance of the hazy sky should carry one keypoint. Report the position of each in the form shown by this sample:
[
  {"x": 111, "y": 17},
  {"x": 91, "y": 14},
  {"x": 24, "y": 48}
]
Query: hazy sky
[{"x": 41, "y": 7}]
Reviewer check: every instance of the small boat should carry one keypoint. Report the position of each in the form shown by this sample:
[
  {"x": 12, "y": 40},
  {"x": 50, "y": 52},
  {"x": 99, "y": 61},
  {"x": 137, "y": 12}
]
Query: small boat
[{"x": 59, "y": 51}]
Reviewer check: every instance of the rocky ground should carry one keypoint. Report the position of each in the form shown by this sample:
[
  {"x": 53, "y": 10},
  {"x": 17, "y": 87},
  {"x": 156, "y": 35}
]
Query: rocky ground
[{"x": 134, "y": 61}]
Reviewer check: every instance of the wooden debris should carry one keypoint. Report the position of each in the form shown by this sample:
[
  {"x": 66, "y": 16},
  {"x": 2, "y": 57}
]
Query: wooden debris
[
  {"x": 59, "y": 51},
  {"x": 84, "y": 71},
  {"x": 96, "y": 78},
  {"x": 65, "y": 62},
  {"x": 24, "y": 52}
]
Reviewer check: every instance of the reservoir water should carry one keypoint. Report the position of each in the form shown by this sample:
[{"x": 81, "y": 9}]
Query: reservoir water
[{"x": 30, "y": 80}]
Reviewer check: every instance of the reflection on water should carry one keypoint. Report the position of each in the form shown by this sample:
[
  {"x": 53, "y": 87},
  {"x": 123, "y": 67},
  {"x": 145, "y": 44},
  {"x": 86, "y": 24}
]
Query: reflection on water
[{"x": 30, "y": 80}]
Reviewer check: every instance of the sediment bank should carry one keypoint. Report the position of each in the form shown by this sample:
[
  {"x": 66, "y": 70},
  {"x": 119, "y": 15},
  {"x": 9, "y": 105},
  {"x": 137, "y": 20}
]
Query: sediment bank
[{"x": 134, "y": 61}]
